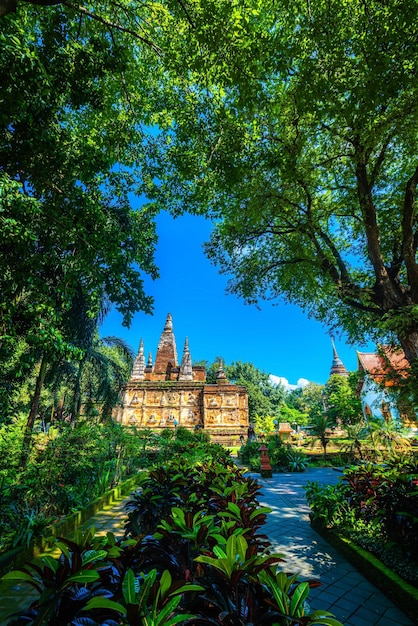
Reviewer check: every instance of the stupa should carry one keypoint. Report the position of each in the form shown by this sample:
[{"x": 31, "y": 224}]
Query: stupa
[
  {"x": 337, "y": 366},
  {"x": 166, "y": 394}
]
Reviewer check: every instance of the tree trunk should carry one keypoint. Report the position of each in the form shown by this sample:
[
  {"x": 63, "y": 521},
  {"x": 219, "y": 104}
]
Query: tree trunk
[
  {"x": 27, "y": 438},
  {"x": 409, "y": 343},
  {"x": 77, "y": 392}
]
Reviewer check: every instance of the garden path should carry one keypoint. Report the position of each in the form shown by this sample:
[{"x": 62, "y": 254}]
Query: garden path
[{"x": 343, "y": 591}]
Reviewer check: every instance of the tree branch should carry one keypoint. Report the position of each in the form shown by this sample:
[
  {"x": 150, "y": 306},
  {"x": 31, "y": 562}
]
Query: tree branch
[
  {"x": 379, "y": 162},
  {"x": 112, "y": 25}
]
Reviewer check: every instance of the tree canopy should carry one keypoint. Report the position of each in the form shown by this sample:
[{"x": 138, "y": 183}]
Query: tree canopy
[
  {"x": 292, "y": 124},
  {"x": 341, "y": 400},
  {"x": 304, "y": 152},
  {"x": 67, "y": 224}
]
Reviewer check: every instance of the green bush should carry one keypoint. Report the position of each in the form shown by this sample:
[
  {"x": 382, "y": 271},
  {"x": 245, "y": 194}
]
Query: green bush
[
  {"x": 283, "y": 457},
  {"x": 377, "y": 507},
  {"x": 194, "y": 555},
  {"x": 68, "y": 468}
]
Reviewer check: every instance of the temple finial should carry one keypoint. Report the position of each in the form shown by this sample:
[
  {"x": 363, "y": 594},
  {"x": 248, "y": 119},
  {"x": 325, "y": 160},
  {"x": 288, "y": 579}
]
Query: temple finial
[
  {"x": 220, "y": 374},
  {"x": 186, "y": 369},
  {"x": 166, "y": 357},
  {"x": 138, "y": 370},
  {"x": 169, "y": 323}
]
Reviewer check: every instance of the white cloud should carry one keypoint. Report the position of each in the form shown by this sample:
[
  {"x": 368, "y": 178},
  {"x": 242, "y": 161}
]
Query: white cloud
[{"x": 280, "y": 380}]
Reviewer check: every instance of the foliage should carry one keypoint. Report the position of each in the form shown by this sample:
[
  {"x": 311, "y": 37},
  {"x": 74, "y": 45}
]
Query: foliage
[
  {"x": 356, "y": 440},
  {"x": 387, "y": 438},
  {"x": 375, "y": 504},
  {"x": 204, "y": 563},
  {"x": 67, "y": 469},
  {"x": 328, "y": 503},
  {"x": 296, "y": 461},
  {"x": 307, "y": 399},
  {"x": 310, "y": 167},
  {"x": 343, "y": 405},
  {"x": 67, "y": 222},
  {"x": 283, "y": 458},
  {"x": 293, "y": 415},
  {"x": 321, "y": 428},
  {"x": 264, "y": 425}
]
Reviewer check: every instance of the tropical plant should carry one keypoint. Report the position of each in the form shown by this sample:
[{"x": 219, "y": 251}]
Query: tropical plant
[
  {"x": 321, "y": 428},
  {"x": 329, "y": 503},
  {"x": 387, "y": 438},
  {"x": 207, "y": 566},
  {"x": 357, "y": 436},
  {"x": 290, "y": 596},
  {"x": 296, "y": 461}
]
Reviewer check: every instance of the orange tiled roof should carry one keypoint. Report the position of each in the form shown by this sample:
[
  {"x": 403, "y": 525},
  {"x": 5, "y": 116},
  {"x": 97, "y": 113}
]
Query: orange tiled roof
[{"x": 384, "y": 366}]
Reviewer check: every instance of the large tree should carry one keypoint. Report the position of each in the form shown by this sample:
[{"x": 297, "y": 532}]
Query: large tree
[
  {"x": 305, "y": 152},
  {"x": 82, "y": 93}
]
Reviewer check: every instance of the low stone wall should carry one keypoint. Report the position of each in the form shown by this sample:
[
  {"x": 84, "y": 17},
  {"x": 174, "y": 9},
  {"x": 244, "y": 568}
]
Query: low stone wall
[{"x": 66, "y": 526}]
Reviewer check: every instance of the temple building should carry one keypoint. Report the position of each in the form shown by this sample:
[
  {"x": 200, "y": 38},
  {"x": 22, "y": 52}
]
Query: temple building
[
  {"x": 167, "y": 394},
  {"x": 380, "y": 373}
]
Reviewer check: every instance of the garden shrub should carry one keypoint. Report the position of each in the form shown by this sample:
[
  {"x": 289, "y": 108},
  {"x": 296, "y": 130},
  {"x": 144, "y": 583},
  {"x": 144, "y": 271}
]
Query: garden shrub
[
  {"x": 283, "y": 457},
  {"x": 376, "y": 506},
  {"x": 68, "y": 468},
  {"x": 201, "y": 561}
]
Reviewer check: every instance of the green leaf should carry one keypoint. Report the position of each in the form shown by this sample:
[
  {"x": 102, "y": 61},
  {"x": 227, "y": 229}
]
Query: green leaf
[
  {"x": 129, "y": 587},
  {"x": 165, "y": 583},
  {"x": 234, "y": 508},
  {"x": 104, "y": 603},
  {"x": 84, "y": 576},
  {"x": 50, "y": 562},
  {"x": 298, "y": 598},
  {"x": 18, "y": 576},
  {"x": 188, "y": 587},
  {"x": 259, "y": 511},
  {"x": 93, "y": 555}
]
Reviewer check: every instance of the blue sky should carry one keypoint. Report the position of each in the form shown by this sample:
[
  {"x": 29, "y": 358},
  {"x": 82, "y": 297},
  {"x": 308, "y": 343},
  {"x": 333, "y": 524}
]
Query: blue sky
[{"x": 278, "y": 339}]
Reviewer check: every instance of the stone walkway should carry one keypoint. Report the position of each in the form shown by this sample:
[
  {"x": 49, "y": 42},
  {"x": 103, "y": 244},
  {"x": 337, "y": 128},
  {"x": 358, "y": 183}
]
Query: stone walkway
[{"x": 343, "y": 591}]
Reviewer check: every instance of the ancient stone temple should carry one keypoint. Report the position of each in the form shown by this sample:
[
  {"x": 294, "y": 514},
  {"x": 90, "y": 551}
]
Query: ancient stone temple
[
  {"x": 337, "y": 366},
  {"x": 167, "y": 394}
]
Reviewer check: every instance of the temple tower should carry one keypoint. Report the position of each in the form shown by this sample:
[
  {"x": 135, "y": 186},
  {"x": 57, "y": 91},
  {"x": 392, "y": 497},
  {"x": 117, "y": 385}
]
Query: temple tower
[
  {"x": 337, "y": 366},
  {"x": 138, "y": 370},
  {"x": 167, "y": 395},
  {"x": 186, "y": 370},
  {"x": 166, "y": 359}
]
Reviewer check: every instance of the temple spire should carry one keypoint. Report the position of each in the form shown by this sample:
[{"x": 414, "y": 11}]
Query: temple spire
[
  {"x": 337, "y": 366},
  {"x": 220, "y": 374},
  {"x": 138, "y": 370},
  {"x": 186, "y": 370},
  {"x": 166, "y": 357}
]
